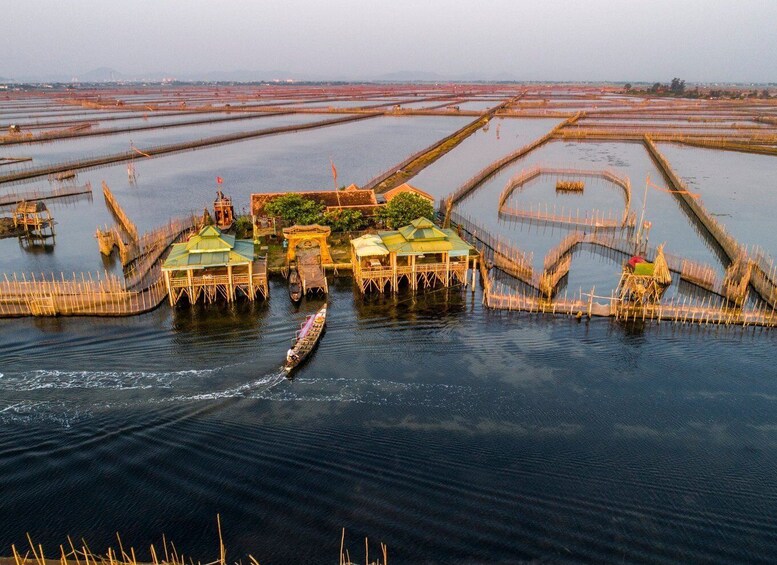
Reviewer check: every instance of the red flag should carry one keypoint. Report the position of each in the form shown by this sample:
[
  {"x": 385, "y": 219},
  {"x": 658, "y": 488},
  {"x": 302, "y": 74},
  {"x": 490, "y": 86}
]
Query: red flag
[
  {"x": 334, "y": 172},
  {"x": 219, "y": 180}
]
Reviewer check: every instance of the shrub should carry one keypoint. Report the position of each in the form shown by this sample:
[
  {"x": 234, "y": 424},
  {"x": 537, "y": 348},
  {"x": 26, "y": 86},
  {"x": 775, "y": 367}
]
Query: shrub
[
  {"x": 344, "y": 220},
  {"x": 295, "y": 209},
  {"x": 404, "y": 208}
]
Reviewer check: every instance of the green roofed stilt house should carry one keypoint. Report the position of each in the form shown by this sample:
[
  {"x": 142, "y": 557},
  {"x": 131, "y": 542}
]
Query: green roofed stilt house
[
  {"x": 420, "y": 254},
  {"x": 212, "y": 264}
]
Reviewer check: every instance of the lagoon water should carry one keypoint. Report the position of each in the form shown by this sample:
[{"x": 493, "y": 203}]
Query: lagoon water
[{"x": 452, "y": 433}]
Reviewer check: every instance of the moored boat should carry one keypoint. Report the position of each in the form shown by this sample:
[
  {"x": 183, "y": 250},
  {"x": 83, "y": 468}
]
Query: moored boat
[
  {"x": 295, "y": 285},
  {"x": 306, "y": 340}
]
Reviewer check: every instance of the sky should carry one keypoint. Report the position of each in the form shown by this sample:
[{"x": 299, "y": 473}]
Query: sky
[{"x": 575, "y": 40}]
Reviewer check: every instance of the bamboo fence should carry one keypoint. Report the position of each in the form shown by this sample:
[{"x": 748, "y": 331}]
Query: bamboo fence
[
  {"x": 98, "y": 295},
  {"x": 118, "y": 212},
  {"x": 13, "y": 198}
]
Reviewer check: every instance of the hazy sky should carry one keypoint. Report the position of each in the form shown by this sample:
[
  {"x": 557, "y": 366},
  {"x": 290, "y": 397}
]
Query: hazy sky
[{"x": 622, "y": 40}]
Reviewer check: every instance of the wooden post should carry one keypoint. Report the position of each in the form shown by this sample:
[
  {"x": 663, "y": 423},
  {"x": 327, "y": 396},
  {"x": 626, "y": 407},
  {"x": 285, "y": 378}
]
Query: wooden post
[
  {"x": 393, "y": 272},
  {"x": 191, "y": 284},
  {"x": 169, "y": 290},
  {"x": 474, "y": 272},
  {"x": 231, "y": 289},
  {"x": 251, "y": 289}
]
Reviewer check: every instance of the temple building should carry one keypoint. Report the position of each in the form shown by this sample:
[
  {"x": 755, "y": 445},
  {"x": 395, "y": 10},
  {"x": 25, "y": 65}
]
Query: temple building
[{"x": 211, "y": 265}]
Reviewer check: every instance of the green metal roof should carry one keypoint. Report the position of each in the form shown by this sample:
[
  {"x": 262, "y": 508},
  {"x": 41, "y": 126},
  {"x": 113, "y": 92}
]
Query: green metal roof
[
  {"x": 422, "y": 229},
  {"x": 210, "y": 248},
  {"x": 421, "y": 237}
]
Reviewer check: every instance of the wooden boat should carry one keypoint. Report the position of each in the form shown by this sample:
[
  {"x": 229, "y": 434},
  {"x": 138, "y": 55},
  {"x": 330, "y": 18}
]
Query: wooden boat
[
  {"x": 295, "y": 285},
  {"x": 306, "y": 340}
]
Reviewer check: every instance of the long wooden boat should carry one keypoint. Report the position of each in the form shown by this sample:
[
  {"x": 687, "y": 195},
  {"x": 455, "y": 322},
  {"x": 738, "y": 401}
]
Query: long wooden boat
[{"x": 306, "y": 340}]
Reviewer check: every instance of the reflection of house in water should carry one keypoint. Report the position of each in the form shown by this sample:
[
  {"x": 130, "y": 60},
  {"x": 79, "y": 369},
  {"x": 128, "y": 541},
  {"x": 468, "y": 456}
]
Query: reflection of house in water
[
  {"x": 420, "y": 254},
  {"x": 213, "y": 264}
]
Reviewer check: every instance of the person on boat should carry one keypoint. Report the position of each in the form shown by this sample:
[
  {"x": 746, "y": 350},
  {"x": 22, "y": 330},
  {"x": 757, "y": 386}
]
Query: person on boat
[{"x": 291, "y": 356}]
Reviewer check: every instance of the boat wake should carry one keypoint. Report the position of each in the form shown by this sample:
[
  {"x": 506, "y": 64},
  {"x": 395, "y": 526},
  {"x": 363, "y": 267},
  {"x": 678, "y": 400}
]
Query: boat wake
[
  {"x": 260, "y": 385},
  {"x": 117, "y": 380}
]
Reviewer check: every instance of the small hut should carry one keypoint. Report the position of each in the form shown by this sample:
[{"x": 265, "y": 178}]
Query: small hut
[
  {"x": 643, "y": 282},
  {"x": 34, "y": 218}
]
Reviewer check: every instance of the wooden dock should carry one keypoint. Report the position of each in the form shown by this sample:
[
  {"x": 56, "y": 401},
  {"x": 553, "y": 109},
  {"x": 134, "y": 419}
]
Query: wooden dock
[{"x": 311, "y": 271}]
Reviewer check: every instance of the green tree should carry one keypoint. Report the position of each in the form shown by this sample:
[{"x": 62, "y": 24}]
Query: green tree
[
  {"x": 404, "y": 208},
  {"x": 677, "y": 86},
  {"x": 295, "y": 209},
  {"x": 344, "y": 220},
  {"x": 627, "y": 86},
  {"x": 243, "y": 227}
]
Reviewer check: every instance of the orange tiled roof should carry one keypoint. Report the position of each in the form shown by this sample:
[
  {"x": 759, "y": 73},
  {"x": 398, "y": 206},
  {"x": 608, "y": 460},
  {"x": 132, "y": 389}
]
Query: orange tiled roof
[
  {"x": 329, "y": 198},
  {"x": 404, "y": 187}
]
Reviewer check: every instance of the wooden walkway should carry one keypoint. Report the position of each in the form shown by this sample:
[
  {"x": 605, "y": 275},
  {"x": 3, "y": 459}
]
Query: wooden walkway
[
  {"x": 592, "y": 219},
  {"x": 764, "y": 275},
  {"x": 711, "y": 309},
  {"x": 142, "y": 289},
  {"x": 312, "y": 272}
]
